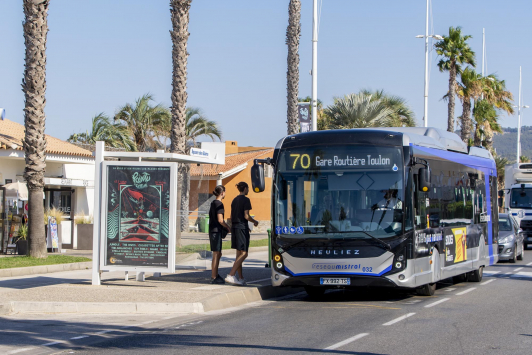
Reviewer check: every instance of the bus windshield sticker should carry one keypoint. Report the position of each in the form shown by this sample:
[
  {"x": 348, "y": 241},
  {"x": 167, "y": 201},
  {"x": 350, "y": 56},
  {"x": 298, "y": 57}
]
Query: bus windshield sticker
[
  {"x": 300, "y": 230},
  {"x": 278, "y": 229},
  {"x": 292, "y": 230}
]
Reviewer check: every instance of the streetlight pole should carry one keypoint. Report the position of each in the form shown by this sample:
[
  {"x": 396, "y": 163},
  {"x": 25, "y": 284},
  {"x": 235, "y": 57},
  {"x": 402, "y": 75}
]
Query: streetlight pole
[
  {"x": 315, "y": 66},
  {"x": 426, "y": 37},
  {"x": 519, "y": 119},
  {"x": 426, "y": 98}
]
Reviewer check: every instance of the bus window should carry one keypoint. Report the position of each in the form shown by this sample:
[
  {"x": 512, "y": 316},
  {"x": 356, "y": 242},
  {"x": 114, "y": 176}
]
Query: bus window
[{"x": 420, "y": 212}]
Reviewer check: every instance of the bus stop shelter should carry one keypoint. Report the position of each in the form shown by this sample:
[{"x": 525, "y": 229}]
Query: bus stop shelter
[{"x": 135, "y": 209}]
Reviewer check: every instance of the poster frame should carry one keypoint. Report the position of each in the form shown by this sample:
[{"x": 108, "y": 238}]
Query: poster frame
[{"x": 172, "y": 218}]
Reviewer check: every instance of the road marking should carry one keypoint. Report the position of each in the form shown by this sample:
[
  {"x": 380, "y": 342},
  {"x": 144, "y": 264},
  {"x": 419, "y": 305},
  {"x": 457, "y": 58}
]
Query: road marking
[
  {"x": 490, "y": 273},
  {"x": 345, "y": 342},
  {"x": 519, "y": 268},
  {"x": 80, "y": 337},
  {"x": 19, "y": 350},
  {"x": 450, "y": 289},
  {"x": 268, "y": 279},
  {"x": 487, "y": 282},
  {"x": 103, "y": 332},
  {"x": 522, "y": 274},
  {"x": 529, "y": 264},
  {"x": 53, "y": 343},
  {"x": 413, "y": 301},
  {"x": 399, "y": 319},
  {"x": 466, "y": 291},
  {"x": 437, "y": 302}
]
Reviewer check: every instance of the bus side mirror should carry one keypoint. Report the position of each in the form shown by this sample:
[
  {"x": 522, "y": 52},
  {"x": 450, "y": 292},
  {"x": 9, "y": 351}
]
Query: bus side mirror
[
  {"x": 423, "y": 179},
  {"x": 501, "y": 193},
  {"x": 257, "y": 177},
  {"x": 500, "y": 202}
]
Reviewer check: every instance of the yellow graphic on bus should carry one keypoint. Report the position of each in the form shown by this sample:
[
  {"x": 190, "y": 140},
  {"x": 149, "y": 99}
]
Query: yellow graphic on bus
[{"x": 460, "y": 238}]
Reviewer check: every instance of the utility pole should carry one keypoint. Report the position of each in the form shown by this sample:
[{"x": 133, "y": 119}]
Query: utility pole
[
  {"x": 315, "y": 66},
  {"x": 483, "y": 50},
  {"x": 519, "y": 120},
  {"x": 426, "y": 98}
]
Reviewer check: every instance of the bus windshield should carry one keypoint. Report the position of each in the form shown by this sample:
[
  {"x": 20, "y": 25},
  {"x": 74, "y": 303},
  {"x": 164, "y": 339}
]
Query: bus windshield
[
  {"x": 521, "y": 198},
  {"x": 339, "y": 192}
]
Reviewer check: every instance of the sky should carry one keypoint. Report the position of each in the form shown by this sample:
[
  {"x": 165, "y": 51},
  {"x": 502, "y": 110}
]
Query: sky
[{"x": 102, "y": 54}]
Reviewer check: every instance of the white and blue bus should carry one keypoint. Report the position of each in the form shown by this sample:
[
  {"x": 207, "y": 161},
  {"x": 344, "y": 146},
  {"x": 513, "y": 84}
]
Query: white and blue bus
[{"x": 398, "y": 207}]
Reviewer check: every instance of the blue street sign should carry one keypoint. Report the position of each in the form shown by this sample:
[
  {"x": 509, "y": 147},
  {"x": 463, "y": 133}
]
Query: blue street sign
[
  {"x": 286, "y": 230},
  {"x": 300, "y": 230},
  {"x": 278, "y": 229},
  {"x": 292, "y": 230}
]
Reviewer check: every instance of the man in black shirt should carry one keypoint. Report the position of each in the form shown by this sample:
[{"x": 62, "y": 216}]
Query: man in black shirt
[
  {"x": 216, "y": 231},
  {"x": 240, "y": 208}
]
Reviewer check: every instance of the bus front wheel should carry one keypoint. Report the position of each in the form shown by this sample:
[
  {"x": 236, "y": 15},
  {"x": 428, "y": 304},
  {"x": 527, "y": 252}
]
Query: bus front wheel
[
  {"x": 426, "y": 290},
  {"x": 476, "y": 275},
  {"x": 315, "y": 293}
]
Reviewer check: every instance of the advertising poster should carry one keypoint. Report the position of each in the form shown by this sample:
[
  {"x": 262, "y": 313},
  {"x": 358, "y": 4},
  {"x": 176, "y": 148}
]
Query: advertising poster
[
  {"x": 137, "y": 224},
  {"x": 53, "y": 237},
  {"x": 456, "y": 246}
]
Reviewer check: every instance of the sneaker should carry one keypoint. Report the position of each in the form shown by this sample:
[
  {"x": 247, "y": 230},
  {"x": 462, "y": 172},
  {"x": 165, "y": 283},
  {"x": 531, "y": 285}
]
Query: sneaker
[
  {"x": 218, "y": 280},
  {"x": 232, "y": 280}
]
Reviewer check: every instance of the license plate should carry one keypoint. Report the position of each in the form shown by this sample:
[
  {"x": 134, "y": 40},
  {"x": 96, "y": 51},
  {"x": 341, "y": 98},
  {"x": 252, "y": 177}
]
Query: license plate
[{"x": 335, "y": 281}]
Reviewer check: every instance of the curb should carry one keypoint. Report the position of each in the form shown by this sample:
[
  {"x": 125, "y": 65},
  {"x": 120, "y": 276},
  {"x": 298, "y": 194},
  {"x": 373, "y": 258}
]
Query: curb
[
  {"x": 214, "y": 303},
  {"x": 44, "y": 269}
]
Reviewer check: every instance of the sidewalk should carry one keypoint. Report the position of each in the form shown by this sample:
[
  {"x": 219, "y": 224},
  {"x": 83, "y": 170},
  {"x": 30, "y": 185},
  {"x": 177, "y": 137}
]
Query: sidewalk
[{"x": 186, "y": 291}]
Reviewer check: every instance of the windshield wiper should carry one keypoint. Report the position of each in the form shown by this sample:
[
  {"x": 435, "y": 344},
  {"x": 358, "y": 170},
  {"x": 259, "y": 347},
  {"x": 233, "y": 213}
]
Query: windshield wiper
[
  {"x": 381, "y": 242},
  {"x": 284, "y": 250}
]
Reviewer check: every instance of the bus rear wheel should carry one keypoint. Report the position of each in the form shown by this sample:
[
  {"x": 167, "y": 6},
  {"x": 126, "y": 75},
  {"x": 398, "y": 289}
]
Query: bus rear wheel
[
  {"x": 426, "y": 290},
  {"x": 315, "y": 293},
  {"x": 476, "y": 275}
]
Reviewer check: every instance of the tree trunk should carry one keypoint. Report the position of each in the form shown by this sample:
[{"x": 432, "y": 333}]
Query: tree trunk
[
  {"x": 466, "y": 120},
  {"x": 478, "y": 139},
  {"x": 452, "y": 93},
  {"x": 185, "y": 196},
  {"x": 179, "y": 33},
  {"x": 35, "y": 27},
  {"x": 293, "y": 32},
  {"x": 179, "y": 10}
]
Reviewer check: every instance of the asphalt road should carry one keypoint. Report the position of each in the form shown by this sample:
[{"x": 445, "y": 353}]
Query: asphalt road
[{"x": 491, "y": 317}]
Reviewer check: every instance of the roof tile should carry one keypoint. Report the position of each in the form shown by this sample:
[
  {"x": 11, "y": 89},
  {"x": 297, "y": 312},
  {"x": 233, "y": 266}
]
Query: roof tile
[{"x": 12, "y": 134}]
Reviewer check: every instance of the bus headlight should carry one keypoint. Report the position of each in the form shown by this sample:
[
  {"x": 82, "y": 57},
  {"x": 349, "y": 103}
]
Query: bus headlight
[
  {"x": 279, "y": 265},
  {"x": 398, "y": 265}
]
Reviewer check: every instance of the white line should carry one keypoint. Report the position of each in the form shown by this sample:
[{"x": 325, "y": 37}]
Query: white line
[
  {"x": 18, "y": 350},
  {"x": 529, "y": 264},
  {"x": 519, "y": 268},
  {"x": 437, "y": 302},
  {"x": 269, "y": 278},
  {"x": 80, "y": 337},
  {"x": 466, "y": 291},
  {"x": 345, "y": 342},
  {"x": 103, "y": 332},
  {"x": 399, "y": 319},
  {"x": 487, "y": 282},
  {"x": 450, "y": 289},
  {"x": 53, "y": 343}
]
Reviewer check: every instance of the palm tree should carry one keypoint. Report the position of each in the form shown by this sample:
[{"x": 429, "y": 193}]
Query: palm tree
[
  {"x": 35, "y": 27},
  {"x": 142, "y": 121},
  {"x": 367, "y": 109},
  {"x": 455, "y": 51},
  {"x": 524, "y": 159},
  {"x": 293, "y": 32},
  {"x": 197, "y": 125},
  {"x": 179, "y": 10},
  {"x": 469, "y": 88},
  {"x": 114, "y": 135},
  {"x": 402, "y": 115},
  {"x": 496, "y": 98},
  {"x": 500, "y": 163}
]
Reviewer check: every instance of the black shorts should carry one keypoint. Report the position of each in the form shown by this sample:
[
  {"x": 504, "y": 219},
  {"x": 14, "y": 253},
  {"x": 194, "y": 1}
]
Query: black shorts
[
  {"x": 240, "y": 239},
  {"x": 216, "y": 241}
]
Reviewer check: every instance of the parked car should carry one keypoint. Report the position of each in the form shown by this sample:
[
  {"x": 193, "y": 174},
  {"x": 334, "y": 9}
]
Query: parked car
[{"x": 511, "y": 238}]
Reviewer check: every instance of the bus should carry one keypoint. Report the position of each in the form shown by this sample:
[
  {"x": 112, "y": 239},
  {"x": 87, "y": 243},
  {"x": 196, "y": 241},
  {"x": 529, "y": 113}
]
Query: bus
[
  {"x": 392, "y": 207},
  {"x": 518, "y": 201}
]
